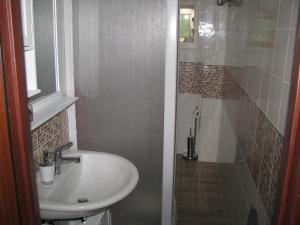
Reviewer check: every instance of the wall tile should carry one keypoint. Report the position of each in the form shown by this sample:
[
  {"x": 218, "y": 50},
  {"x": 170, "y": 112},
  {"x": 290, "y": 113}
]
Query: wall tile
[
  {"x": 49, "y": 136},
  {"x": 256, "y": 166},
  {"x": 283, "y": 108},
  {"x": 289, "y": 56},
  {"x": 274, "y": 99},
  {"x": 264, "y": 91},
  {"x": 277, "y": 157},
  {"x": 272, "y": 198},
  {"x": 271, "y": 7},
  {"x": 254, "y": 82},
  {"x": 285, "y": 13},
  {"x": 210, "y": 81},
  {"x": 260, "y": 130},
  {"x": 268, "y": 53},
  {"x": 280, "y": 51},
  {"x": 268, "y": 143},
  {"x": 295, "y": 14},
  {"x": 264, "y": 159},
  {"x": 260, "y": 36},
  {"x": 264, "y": 185}
]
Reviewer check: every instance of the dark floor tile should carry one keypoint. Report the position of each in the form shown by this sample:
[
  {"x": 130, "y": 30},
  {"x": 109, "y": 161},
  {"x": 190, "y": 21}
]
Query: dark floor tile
[
  {"x": 216, "y": 203},
  {"x": 193, "y": 222},
  {"x": 208, "y": 193},
  {"x": 193, "y": 213}
]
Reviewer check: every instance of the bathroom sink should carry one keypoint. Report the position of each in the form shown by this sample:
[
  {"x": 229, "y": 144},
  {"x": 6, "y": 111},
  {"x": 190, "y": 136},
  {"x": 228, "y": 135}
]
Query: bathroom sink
[{"x": 87, "y": 188}]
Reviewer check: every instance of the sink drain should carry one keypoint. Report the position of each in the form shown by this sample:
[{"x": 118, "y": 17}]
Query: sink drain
[{"x": 82, "y": 200}]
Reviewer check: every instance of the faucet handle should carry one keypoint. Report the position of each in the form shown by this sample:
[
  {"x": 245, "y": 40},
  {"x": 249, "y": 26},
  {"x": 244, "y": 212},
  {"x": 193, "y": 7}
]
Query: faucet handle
[
  {"x": 58, "y": 156},
  {"x": 58, "y": 151},
  {"x": 64, "y": 147}
]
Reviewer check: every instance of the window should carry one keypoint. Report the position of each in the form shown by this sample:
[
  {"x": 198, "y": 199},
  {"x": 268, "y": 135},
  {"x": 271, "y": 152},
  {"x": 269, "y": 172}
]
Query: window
[
  {"x": 29, "y": 47},
  {"x": 187, "y": 19}
]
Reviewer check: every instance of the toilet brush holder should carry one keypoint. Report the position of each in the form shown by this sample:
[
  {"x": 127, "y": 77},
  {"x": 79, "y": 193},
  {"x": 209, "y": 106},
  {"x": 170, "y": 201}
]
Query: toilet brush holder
[{"x": 190, "y": 154}]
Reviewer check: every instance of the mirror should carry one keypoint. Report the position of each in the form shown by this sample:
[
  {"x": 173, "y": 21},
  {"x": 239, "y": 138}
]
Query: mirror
[{"x": 43, "y": 13}]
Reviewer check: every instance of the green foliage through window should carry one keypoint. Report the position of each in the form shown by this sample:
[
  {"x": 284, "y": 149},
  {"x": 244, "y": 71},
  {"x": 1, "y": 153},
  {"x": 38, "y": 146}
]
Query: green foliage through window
[{"x": 186, "y": 26}]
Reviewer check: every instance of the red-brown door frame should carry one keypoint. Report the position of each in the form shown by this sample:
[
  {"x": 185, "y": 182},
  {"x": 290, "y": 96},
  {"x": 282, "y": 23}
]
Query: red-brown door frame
[
  {"x": 288, "y": 212},
  {"x": 17, "y": 111},
  {"x": 9, "y": 213}
]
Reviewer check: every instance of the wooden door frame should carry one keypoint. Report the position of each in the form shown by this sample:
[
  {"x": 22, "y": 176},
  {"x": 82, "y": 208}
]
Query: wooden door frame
[
  {"x": 288, "y": 208},
  {"x": 9, "y": 213},
  {"x": 17, "y": 111}
]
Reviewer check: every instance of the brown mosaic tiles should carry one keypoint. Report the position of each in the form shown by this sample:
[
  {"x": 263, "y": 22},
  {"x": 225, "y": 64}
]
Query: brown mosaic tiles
[
  {"x": 265, "y": 158},
  {"x": 49, "y": 136},
  {"x": 268, "y": 144},
  {"x": 260, "y": 129},
  {"x": 246, "y": 131},
  {"x": 256, "y": 165},
  {"x": 264, "y": 183},
  {"x": 273, "y": 197},
  {"x": 277, "y": 156},
  {"x": 211, "y": 81}
]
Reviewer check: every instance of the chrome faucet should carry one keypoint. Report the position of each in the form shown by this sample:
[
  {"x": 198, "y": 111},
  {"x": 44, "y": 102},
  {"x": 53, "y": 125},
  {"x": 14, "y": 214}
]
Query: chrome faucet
[{"x": 59, "y": 159}]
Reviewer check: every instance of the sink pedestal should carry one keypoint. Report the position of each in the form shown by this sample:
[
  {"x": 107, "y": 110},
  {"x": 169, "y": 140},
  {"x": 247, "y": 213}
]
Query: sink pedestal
[{"x": 103, "y": 218}]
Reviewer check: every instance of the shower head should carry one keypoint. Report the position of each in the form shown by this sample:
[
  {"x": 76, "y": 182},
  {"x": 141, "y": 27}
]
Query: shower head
[
  {"x": 221, "y": 2},
  {"x": 229, "y": 2}
]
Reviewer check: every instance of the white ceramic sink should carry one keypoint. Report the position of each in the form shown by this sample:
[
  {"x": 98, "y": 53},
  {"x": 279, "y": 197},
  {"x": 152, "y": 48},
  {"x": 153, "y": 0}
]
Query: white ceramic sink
[{"x": 103, "y": 179}]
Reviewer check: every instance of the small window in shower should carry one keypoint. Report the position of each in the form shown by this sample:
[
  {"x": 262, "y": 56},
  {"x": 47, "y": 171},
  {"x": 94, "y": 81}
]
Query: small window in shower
[{"x": 187, "y": 18}]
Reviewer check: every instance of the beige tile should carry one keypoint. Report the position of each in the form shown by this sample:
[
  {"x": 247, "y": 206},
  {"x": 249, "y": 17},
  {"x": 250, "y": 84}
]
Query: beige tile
[
  {"x": 254, "y": 82},
  {"x": 295, "y": 14},
  {"x": 283, "y": 108},
  {"x": 285, "y": 14},
  {"x": 264, "y": 91},
  {"x": 290, "y": 55},
  {"x": 274, "y": 99},
  {"x": 280, "y": 52},
  {"x": 271, "y": 7}
]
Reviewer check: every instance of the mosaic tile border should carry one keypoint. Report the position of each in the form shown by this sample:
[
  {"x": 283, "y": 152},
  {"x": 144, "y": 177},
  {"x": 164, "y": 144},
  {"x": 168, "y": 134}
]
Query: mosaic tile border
[
  {"x": 49, "y": 136},
  {"x": 260, "y": 144},
  {"x": 211, "y": 81}
]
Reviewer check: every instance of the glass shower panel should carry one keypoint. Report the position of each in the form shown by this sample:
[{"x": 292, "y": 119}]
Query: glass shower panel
[{"x": 119, "y": 50}]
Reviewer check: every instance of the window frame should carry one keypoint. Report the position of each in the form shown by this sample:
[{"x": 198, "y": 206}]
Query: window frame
[{"x": 193, "y": 44}]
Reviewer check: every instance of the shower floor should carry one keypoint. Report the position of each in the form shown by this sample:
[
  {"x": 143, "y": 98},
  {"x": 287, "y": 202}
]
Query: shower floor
[{"x": 208, "y": 194}]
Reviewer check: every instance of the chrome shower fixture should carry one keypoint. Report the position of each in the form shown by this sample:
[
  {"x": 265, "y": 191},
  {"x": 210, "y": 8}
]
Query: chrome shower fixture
[
  {"x": 221, "y": 2},
  {"x": 229, "y": 2}
]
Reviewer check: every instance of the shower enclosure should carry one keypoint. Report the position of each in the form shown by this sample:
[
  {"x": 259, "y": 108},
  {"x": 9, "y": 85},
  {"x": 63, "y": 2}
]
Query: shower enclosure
[
  {"x": 235, "y": 60},
  {"x": 119, "y": 57}
]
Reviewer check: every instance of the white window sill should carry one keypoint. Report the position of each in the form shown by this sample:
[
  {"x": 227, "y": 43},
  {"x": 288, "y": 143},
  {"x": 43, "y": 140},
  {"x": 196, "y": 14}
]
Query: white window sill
[
  {"x": 48, "y": 107},
  {"x": 31, "y": 93}
]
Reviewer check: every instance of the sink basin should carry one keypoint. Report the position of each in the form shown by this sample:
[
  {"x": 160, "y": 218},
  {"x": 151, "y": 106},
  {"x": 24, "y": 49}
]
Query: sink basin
[{"x": 98, "y": 181}]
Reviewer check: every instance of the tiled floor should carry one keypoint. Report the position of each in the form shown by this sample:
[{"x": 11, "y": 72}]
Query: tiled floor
[{"x": 208, "y": 194}]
